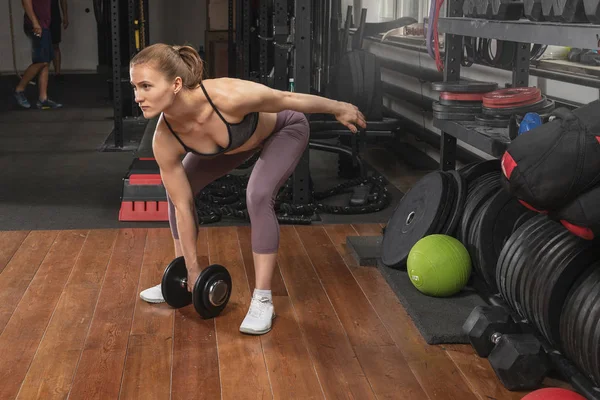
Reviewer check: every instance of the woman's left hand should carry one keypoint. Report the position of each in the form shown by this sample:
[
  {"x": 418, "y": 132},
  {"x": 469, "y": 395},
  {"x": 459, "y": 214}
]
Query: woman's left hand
[{"x": 350, "y": 116}]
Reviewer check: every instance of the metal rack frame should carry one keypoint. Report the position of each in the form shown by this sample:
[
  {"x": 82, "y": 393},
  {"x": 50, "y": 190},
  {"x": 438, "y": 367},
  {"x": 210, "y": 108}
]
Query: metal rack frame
[
  {"x": 302, "y": 83},
  {"x": 132, "y": 17},
  {"x": 494, "y": 140}
]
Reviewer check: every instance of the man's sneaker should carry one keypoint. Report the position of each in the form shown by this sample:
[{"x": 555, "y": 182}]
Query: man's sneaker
[
  {"x": 259, "y": 318},
  {"x": 47, "y": 104},
  {"x": 153, "y": 295},
  {"x": 22, "y": 100}
]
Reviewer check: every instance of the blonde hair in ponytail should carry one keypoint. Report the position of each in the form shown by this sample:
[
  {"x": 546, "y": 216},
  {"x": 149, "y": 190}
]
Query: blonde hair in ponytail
[{"x": 173, "y": 61}]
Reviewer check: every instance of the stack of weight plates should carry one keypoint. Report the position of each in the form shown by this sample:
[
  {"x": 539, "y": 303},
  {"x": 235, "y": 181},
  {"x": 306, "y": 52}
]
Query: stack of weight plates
[
  {"x": 501, "y": 104},
  {"x": 460, "y": 100}
]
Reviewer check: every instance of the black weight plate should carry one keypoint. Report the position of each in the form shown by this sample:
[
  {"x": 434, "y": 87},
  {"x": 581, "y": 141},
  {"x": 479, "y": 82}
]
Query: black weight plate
[
  {"x": 459, "y": 204},
  {"x": 481, "y": 168},
  {"x": 591, "y": 327},
  {"x": 462, "y": 86},
  {"x": 465, "y": 168},
  {"x": 556, "y": 254},
  {"x": 541, "y": 106},
  {"x": 522, "y": 281},
  {"x": 416, "y": 216},
  {"x": 173, "y": 290},
  {"x": 479, "y": 193},
  {"x": 552, "y": 288},
  {"x": 497, "y": 221},
  {"x": 446, "y": 102},
  {"x": 457, "y": 108},
  {"x": 455, "y": 116},
  {"x": 524, "y": 218},
  {"x": 212, "y": 291},
  {"x": 579, "y": 327},
  {"x": 471, "y": 239},
  {"x": 510, "y": 249},
  {"x": 574, "y": 314},
  {"x": 451, "y": 189},
  {"x": 491, "y": 121},
  {"x": 525, "y": 249}
]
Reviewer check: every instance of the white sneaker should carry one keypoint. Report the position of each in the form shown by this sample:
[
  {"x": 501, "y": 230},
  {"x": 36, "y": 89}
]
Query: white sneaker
[
  {"x": 153, "y": 295},
  {"x": 259, "y": 319}
]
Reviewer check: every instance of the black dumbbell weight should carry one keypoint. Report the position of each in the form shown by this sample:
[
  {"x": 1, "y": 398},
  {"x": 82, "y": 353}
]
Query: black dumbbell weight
[
  {"x": 519, "y": 361},
  {"x": 483, "y": 324},
  {"x": 211, "y": 290}
]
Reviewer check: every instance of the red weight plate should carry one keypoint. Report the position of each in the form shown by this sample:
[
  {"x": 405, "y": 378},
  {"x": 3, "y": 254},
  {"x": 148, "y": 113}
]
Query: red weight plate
[
  {"x": 461, "y": 96},
  {"x": 515, "y": 104},
  {"x": 511, "y": 96}
]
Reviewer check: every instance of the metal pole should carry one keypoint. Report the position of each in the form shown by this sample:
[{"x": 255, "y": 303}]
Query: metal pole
[
  {"x": 451, "y": 73},
  {"x": 302, "y": 72},
  {"x": 280, "y": 33},
  {"x": 116, "y": 73},
  {"x": 231, "y": 42}
]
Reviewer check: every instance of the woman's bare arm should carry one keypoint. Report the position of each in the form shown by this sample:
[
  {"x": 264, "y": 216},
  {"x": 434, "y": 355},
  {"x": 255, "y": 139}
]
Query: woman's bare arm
[
  {"x": 178, "y": 187},
  {"x": 249, "y": 96}
]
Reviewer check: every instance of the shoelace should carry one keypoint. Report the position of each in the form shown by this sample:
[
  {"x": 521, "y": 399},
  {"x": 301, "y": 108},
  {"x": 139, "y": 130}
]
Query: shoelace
[{"x": 258, "y": 306}]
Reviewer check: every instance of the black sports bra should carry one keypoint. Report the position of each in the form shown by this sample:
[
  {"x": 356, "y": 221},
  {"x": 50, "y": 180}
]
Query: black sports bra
[{"x": 238, "y": 133}]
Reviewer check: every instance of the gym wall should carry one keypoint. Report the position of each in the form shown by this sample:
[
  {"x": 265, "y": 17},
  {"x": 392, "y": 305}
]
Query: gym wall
[
  {"x": 174, "y": 21},
  {"x": 178, "y": 21},
  {"x": 79, "y": 42}
]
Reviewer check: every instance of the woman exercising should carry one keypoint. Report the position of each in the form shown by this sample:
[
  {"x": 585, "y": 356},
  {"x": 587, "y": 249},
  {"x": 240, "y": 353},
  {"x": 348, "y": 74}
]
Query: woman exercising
[{"x": 208, "y": 128}]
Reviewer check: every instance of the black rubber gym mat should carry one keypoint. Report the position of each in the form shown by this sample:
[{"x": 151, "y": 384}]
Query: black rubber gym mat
[{"x": 439, "y": 320}]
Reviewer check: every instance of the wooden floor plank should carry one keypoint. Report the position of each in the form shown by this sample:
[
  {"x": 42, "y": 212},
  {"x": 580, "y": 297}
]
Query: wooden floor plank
[
  {"x": 100, "y": 369},
  {"x": 195, "y": 359},
  {"x": 389, "y": 373},
  {"x": 21, "y": 269},
  {"x": 363, "y": 326},
  {"x": 339, "y": 371},
  {"x": 10, "y": 241},
  {"x": 147, "y": 373},
  {"x": 439, "y": 377},
  {"x": 385, "y": 366},
  {"x": 478, "y": 372},
  {"x": 25, "y": 329},
  {"x": 277, "y": 286},
  {"x": 242, "y": 364},
  {"x": 291, "y": 371},
  {"x": 52, "y": 369}
]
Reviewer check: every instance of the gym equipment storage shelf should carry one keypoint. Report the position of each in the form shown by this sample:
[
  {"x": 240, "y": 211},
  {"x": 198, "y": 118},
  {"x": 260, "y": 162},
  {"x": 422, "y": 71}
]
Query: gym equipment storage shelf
[
  {"x": 492, "y": 141},
  {"x": 584, "y": 36}
]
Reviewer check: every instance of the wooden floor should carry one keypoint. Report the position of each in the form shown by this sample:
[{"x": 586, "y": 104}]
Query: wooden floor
[{"x": 73, "y": 326}]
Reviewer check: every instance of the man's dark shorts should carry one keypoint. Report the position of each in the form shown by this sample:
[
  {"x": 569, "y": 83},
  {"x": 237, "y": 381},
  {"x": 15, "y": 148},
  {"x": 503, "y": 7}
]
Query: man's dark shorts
[
  {"x": 56, "y": 29},
  {"x": 41, "y": 47}
]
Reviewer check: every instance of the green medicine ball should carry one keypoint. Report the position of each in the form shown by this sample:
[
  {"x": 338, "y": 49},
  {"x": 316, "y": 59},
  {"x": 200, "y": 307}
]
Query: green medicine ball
[{"x": 439, "y": 265}]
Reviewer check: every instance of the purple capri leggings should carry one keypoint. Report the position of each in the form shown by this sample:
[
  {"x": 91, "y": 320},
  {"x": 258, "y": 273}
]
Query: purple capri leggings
[{"x": 280, "y": 154}]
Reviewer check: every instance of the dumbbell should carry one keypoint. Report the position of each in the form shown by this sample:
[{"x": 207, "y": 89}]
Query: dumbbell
[
  {"x": 518, "y": 359},
  {"x": 210, "y": 294}
]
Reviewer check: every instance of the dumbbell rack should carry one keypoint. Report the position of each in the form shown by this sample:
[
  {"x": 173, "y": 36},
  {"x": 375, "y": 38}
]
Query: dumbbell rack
[{"x": 494, "y": 141}]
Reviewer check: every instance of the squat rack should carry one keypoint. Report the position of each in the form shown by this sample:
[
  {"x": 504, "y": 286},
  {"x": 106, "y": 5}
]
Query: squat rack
[{"x": 137, "y": 39}]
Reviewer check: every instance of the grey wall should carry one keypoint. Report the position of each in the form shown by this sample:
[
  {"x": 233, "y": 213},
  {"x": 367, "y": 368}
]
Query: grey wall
[
  {"x": 173, "y": 22},
  {"x": 178, "y": 22}
]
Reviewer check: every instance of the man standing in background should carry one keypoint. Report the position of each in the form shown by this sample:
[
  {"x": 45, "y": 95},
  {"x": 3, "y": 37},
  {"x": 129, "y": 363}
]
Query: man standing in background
[
  {"x": 36, "y": 24},
  {"x": 59, "y": 21}
]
